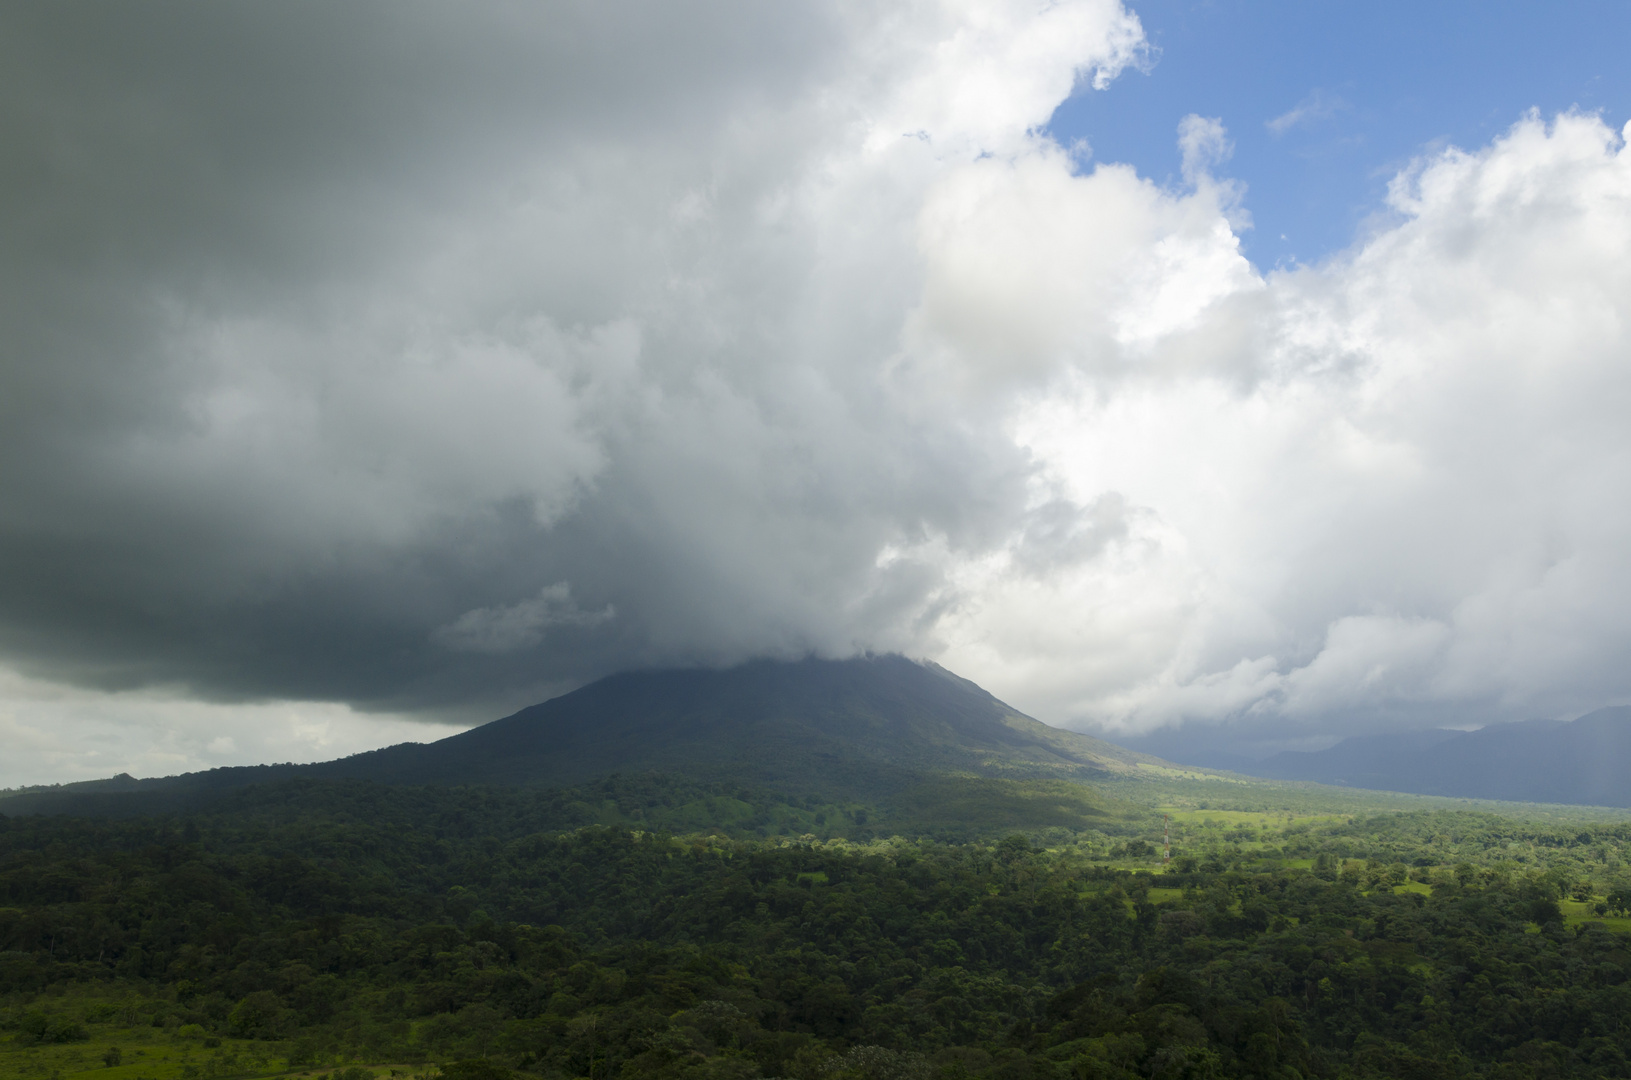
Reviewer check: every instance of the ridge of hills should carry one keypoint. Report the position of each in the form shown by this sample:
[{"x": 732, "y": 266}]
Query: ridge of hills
[
  {"x": 880, "y": 730},
  {"x": 1583, "y": 762}
]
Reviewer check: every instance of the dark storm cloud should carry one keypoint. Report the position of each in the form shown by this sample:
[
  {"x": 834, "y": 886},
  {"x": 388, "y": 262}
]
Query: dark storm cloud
[{"x": 332, "y": 330}]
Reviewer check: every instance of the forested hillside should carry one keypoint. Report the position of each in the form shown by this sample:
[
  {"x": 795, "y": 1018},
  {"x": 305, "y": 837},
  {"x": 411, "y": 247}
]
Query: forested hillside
[{"x": 343, "y": 926}]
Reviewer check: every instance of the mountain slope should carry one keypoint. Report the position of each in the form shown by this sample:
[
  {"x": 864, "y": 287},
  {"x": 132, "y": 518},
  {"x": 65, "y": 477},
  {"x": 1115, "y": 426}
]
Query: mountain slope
[
  {"x": 866, "y": 729},
  {"x": 768, "y": 720},
  {"x": 1585, "y": 761}
]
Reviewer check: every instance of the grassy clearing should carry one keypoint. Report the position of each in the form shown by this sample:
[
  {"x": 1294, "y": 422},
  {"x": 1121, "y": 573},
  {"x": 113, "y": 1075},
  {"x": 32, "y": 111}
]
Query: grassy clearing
[
  {"x": 144, "y": 1057},
  {"x": 1170, "y": 789},
  {"x": 97, "y": 1046},
  {"x": 1576, "y": 912},
  {"x": 1256, "y": 819}
]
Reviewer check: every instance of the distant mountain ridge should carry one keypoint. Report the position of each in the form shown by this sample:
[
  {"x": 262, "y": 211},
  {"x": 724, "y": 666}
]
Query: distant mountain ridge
[
  {"x": 859, "y": 728},
  {"x": 1583, "y": 762}
]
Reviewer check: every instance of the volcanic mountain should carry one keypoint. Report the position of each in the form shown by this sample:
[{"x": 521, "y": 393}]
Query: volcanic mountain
[{"x": 864, "y": 729}]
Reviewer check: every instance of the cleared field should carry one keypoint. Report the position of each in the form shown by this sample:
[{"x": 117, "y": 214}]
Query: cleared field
[
  {"x": 83, "y": 1045},
  {"x": 1576, "y": 912},
  {"x": 1257, "y": 819}
]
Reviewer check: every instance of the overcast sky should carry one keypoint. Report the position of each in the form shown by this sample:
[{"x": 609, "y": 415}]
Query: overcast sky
[{"x": 374, "y": 367}]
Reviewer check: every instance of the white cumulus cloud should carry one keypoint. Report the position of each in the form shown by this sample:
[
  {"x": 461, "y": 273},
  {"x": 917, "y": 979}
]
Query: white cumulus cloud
[{"x": 1389, "y": 482}]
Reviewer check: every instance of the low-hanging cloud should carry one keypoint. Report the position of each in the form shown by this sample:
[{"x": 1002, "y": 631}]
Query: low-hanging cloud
[
  {"x": 431, "y": 362},
  {"x": 518, "y": 626}
]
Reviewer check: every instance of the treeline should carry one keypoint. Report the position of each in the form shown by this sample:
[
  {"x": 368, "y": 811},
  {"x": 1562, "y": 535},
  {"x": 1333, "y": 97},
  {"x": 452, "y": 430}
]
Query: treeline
[
  {"x": 349, "y": 926},
  {"x": 911, "y": 803}
]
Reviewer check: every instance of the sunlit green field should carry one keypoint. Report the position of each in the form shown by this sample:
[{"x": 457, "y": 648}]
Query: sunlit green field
[
  {"x": 1576, "y": 912},
  {"x": 1255, "y": 819},
  {"x": 87, "y": 1035},
  {"x": 142, "y": 1053}
]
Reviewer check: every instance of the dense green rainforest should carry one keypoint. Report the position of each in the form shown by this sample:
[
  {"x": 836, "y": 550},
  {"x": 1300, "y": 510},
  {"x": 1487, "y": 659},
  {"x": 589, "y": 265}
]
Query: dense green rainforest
[{"x": 342, "y": 929}]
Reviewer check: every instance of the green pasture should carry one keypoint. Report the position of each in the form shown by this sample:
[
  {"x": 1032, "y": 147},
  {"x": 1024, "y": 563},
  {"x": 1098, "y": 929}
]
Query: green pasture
[
  {"x": 144, "y": 1054},
  {"x": 1248, "y": 800},
  {"x": 1254, "y": 819},
  {"x": 90, "y": 1036},
  {"x": 1577, "y": 912}
]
